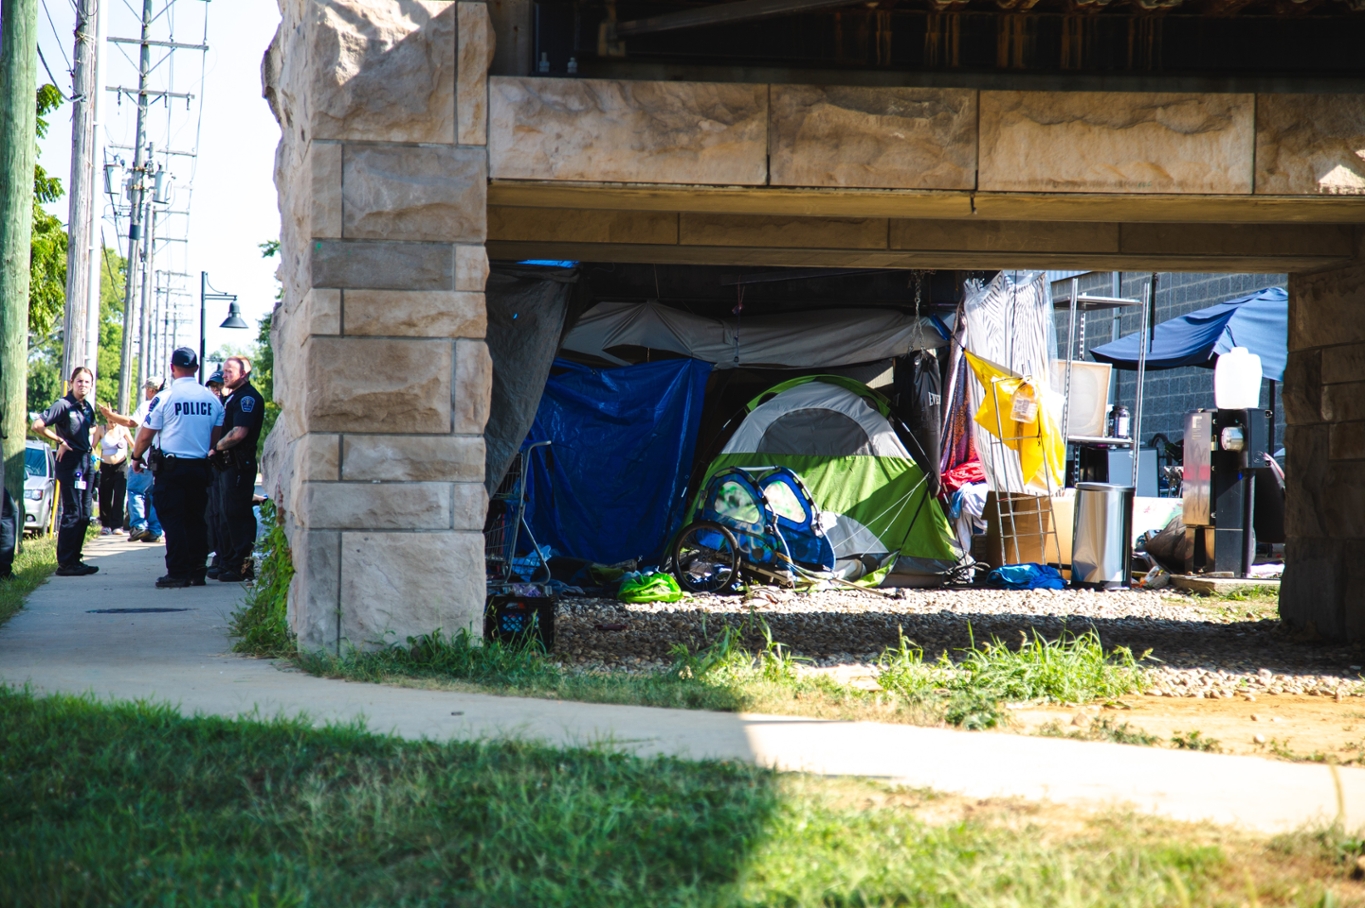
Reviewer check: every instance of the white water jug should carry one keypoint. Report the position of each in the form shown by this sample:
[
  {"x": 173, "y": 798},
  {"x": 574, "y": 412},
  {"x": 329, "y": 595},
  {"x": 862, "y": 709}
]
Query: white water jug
[{"x": 1237, "y": 380}]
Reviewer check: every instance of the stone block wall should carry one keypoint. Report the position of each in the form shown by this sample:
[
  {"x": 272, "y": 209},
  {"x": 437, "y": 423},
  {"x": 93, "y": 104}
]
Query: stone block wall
[
  {"x": 1323, "y": 592},
  {"x": 381, "y": 369}
]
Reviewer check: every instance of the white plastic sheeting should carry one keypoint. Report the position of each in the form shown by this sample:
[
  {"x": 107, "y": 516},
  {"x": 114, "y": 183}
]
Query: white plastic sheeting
[
  {"x": 1010, "y": 322},
  {"x": 800, "y": 340}
]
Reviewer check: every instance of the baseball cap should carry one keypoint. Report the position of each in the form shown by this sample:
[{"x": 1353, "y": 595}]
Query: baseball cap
[
  {"x": 153, "y": 381},
  {"x": 216, "y": 378},
  {"x": 185, "y": 358}
]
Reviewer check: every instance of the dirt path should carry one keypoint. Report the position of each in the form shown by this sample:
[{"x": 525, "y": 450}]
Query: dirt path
[{"x": 1285, "y": 726}]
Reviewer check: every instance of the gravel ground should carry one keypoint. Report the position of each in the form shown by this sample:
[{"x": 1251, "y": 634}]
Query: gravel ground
[{"x": 1206, "y": 647}]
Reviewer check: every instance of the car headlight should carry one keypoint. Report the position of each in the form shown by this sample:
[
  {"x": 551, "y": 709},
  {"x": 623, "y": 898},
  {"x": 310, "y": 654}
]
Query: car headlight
[{"x": 35, "y": 494}]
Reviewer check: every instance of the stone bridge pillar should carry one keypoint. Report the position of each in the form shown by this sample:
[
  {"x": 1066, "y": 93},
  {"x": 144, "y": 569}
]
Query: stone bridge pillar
[
  {"x": 1323, "y": 591},
  {"x": 381, "y": 369}
]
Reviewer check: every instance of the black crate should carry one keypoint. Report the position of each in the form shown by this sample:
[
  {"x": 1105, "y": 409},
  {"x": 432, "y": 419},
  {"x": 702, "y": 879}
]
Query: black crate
[{"x": 515, "y": 620}]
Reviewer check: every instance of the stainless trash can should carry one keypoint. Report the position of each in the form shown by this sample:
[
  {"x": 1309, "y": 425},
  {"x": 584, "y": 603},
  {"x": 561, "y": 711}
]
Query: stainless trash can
[{"x": 1102, "y": 535}]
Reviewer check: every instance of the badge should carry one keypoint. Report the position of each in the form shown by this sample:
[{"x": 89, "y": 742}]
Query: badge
[{"x": 248, "y": 404}]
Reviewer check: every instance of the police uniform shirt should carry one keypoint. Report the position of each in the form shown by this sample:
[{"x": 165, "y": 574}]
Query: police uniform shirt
[
  {"x": 184, "y": 415},
  {"x": 140, "y": 414},
  {"x": 245, "y": 409},
  {"x": 71, "y": 421}
]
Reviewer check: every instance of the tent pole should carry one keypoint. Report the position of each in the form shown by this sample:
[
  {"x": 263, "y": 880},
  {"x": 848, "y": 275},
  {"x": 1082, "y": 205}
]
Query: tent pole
[{"x": 1070, "y": 352}]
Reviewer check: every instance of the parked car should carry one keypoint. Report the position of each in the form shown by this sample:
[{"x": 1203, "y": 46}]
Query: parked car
[{"x": 40, "y": 488}]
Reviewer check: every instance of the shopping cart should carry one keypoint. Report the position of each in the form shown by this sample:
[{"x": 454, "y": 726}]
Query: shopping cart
[{"x": 503, "y": 528}]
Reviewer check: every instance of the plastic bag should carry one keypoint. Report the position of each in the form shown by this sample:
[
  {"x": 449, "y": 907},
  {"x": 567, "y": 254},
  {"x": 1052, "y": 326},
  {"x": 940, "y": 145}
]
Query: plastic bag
[
  {"x": 652, "y": 587},
  {"x": 1027, "y": 577}
]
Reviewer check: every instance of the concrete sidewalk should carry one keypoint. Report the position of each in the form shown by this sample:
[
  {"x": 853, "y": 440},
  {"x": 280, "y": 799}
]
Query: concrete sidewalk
[{"x": 60, "y": 643}]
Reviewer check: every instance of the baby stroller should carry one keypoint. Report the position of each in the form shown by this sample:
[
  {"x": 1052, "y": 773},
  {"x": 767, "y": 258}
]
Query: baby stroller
[{"x": 757, "y": 521}]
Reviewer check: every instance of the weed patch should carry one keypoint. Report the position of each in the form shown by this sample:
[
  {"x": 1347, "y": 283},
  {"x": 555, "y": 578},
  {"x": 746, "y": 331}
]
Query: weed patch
[
  {"x": 1071, "y": 669},
  {"x": 727, "y": 675},
  {"x": 35, "y": 562},
  {"x": 1194, "y": 740},
  {"x": 136, "y": 805},
  {"x": 1102, "y": 729},
  {"x": 724, "y": 675},
  {"x": 260, "y": 626}
]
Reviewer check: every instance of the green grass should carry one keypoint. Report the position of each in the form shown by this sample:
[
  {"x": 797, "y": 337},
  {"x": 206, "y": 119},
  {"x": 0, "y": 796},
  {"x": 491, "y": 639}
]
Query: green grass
[
  {"x": 1074, "y": 668},
  {"x": 723, "y": 676},
  {"x": 135, "y": 805},
  {"x": 260, "y": 626},
  {"x": 36, "y": 561},
  {"x": 726, "y": 675}
]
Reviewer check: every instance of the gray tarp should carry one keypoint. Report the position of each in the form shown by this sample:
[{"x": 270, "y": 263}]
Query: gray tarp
[
  {"x": 801, "y": 340},
  {"x": 526, "y": 309}
]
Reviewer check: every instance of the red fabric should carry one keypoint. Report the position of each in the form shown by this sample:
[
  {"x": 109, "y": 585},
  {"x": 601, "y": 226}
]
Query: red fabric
[{"x": 962, "y": 475}]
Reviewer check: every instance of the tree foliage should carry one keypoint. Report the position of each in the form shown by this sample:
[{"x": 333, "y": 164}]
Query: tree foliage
[
  {"x": 47, "y": 251},
  {"x": 45, "y": 356}
]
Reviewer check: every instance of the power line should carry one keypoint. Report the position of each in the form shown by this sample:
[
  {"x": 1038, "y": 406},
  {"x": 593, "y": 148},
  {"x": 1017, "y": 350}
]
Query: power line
[
  {"x": 52, "y": 78},
  {"x": 56, "y": 34}
]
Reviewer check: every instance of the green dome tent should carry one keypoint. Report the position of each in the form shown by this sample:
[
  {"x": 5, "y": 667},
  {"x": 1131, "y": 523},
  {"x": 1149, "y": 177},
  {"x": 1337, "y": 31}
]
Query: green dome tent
[{"x": 834, "y": 432}]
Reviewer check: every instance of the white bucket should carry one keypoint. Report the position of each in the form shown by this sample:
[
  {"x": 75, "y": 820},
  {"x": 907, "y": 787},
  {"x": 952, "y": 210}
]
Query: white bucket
[{"x": 1237, "y": 380}]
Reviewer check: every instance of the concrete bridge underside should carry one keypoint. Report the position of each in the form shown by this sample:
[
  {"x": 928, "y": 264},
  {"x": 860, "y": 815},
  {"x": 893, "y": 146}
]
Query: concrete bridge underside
[{"x": 404, "y": 168}]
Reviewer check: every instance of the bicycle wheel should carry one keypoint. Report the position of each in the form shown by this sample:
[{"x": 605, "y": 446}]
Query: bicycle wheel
[{"x": 706, "y": 557}]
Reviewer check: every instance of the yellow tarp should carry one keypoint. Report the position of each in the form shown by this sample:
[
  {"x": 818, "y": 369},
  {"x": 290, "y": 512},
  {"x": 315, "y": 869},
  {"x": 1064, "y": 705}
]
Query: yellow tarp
[{"x": 1042, "y": 450}]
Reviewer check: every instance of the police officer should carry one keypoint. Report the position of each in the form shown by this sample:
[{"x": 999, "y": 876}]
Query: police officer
[
  {"x": 218, "y": 534},
  {"x": 245, "y": 410},
  {"x": 185, "y": 420},
  {"x": 68, "y": 422},
  {"x": 143, "y": 524}
]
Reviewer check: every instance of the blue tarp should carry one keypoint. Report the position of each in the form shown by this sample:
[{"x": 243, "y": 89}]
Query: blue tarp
[
  {"x": 1259, "y": 322},
  {"x": 615, "y": 485}
]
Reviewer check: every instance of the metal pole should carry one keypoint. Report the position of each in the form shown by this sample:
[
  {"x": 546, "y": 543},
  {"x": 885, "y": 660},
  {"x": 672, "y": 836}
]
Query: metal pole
[
  {"x": 135, "y": 216},
  {"x": 1070, "y": 348},
  {"x": 1248, "y": 521},
  {"x": 1136, "y": 447},
  {"x": 203, "y": 321},
  {"x": 144, "y": 318},
  {"x": 1115, "y": 329},
  {"x": 1272, "y": 416},
  {"x": 80, "y": 213}
]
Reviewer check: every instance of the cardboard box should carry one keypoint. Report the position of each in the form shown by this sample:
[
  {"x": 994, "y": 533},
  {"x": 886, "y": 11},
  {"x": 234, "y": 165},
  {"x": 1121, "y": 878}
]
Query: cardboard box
[{"x": 1018, "y": 530}]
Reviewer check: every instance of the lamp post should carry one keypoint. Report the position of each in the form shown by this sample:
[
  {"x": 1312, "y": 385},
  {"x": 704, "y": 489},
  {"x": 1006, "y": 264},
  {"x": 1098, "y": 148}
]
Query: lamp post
[{"x": 234, "y": 319}]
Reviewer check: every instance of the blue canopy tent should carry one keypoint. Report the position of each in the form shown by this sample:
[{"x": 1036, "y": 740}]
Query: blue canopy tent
[{"x": 1258, "y": 322}]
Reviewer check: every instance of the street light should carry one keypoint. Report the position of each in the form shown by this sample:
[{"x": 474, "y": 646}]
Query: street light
[{"x": 234, "y": 319}]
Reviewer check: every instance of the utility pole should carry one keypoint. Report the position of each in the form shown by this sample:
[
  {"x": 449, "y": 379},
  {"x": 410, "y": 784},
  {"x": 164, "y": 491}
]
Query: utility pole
[
  {"x": 96, "y": 151},
  {"x": 81, "y": 190},
  {"x": 18, "y": 153},
  {"x": 139, "y": 180},
  {"x": 145, "y": 320}
]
